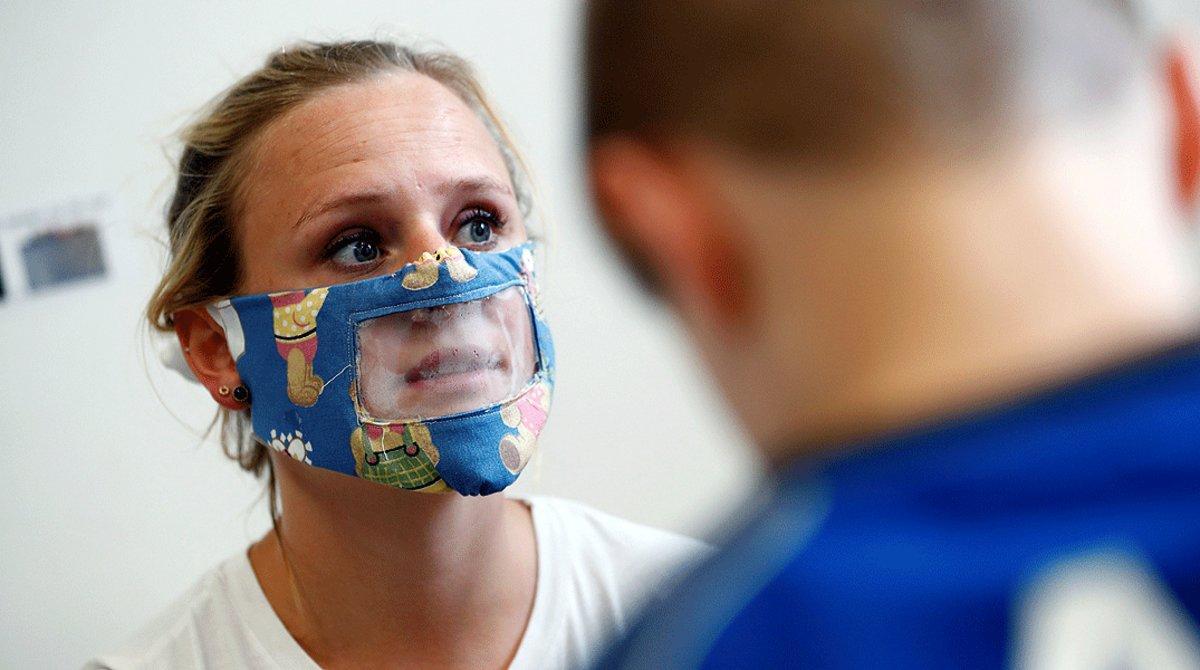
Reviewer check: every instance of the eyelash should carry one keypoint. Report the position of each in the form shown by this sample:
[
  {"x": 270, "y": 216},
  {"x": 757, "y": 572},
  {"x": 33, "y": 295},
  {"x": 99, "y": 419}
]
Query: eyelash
[
  {"x": 495, "y": 219},
  {"x": 342, "y": 240}
]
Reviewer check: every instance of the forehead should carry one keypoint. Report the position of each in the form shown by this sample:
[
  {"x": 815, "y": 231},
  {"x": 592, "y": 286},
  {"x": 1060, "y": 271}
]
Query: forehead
[{"x": 403, "y": 130}]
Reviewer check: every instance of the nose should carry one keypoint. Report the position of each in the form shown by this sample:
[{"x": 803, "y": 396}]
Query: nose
[
  {"x": 437, "y": 316},
  {"x": 432, "y": 315},
  {"x": 422, "y": 236}
]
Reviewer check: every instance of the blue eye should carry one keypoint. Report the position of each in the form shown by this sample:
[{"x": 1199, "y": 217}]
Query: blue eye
[
  {"x": 360, "y": 248},
  {"x": 478, "y": 228}
]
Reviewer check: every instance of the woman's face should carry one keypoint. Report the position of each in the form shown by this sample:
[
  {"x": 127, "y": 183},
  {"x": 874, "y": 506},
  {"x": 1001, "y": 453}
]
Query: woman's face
[
  {"x": 364, "y": 178},
  {"x": 360, "y": 181}
]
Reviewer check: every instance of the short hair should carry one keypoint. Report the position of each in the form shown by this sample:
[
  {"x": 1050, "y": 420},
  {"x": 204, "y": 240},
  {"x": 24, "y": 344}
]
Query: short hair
[{"x": 829, "y": 79}]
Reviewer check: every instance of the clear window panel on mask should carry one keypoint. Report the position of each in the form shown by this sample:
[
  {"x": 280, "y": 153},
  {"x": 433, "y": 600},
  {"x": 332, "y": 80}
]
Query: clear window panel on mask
[{"x": 434, "y": 362}]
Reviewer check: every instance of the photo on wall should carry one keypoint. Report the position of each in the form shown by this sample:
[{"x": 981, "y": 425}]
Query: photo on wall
[
  {"x": 57, "y": 247},
  {"x": 63, "y": 256}
]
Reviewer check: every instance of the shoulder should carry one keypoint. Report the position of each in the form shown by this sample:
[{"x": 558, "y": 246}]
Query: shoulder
[
  {"x": 624, "y": 538},
  {"x": 595, "y": 572},
  {"x": 205, "y": 626},
  {"x": 627, "y": 555},
  {"x": 166, "y": 640}
]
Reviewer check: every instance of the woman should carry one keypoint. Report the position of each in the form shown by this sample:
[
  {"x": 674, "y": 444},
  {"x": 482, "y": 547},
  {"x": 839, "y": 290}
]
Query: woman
[{"x": 365, "y": 209}]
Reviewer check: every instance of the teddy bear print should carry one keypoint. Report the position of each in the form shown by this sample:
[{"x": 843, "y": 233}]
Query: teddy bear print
[
  {"x": 397, "y": 454},
  {"x": 294, "y": 319},
  {"x": 527, "y": 415},
  {"x": 425, "y": 274}
]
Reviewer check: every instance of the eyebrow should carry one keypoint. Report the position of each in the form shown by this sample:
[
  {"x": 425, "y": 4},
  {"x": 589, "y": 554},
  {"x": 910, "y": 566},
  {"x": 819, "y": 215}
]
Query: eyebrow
[
  {"x": 474, "y": 184},
  {"x": 361, "y": 198}
]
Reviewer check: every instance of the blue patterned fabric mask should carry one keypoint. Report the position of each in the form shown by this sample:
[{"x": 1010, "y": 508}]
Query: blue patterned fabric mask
[{"x": 436, "y": 377}]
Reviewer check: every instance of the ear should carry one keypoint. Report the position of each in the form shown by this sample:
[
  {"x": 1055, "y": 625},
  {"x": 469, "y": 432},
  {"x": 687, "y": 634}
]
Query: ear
[
  {"x": 666, "y": 216},
  {"x": 1185, "y": 94},
  {"x": 207, "y": 354}
]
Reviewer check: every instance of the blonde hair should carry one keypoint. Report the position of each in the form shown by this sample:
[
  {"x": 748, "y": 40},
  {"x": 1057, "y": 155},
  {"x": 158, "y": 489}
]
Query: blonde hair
[{"x": 204, "y": 264}]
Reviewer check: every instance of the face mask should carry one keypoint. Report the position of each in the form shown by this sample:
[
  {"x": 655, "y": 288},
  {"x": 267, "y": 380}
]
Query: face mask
[{"x": 436, "y": 377}]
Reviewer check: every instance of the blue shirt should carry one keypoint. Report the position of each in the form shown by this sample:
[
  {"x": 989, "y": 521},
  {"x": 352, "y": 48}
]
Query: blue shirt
[{"x": 1063, "y": 523}]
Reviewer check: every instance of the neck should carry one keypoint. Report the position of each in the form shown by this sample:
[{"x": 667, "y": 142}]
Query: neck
[
  {"x": 957, "y": 292},
  {"x": 352, "y": 555}
]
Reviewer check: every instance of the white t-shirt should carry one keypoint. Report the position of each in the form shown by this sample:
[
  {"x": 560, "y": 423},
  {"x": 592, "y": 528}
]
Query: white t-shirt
[{"x": 594, "y": 572}]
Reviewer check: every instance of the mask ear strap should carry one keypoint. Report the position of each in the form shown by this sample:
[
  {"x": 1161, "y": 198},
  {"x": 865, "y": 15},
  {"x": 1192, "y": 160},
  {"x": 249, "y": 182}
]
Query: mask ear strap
[
  {"x": 227, "y": 318},
  {"x": 171, "y": 355}
]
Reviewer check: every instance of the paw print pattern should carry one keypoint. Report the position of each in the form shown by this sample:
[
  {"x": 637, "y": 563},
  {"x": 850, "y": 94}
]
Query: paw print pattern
[{"x": 293, "y": 444}]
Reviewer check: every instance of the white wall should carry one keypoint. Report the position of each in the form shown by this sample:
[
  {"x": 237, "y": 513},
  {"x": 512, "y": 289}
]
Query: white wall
[{"x": 108, "y": 505}]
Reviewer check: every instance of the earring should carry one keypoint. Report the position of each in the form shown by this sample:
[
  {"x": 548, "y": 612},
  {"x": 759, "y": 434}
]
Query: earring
[
  {"x": 241, "y": 394},
  {"x": 223, "y": 391}
]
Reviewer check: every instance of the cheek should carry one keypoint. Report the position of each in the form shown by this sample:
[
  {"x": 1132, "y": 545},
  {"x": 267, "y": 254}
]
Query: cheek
[
  {"x": 259, "y": 265},
  {"x": 382, "y": 343},
  {"x": 519, "y": 232}
]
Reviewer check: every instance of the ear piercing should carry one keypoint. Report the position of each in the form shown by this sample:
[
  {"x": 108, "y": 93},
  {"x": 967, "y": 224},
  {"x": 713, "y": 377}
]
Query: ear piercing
[{"x": 240, "y": 393}]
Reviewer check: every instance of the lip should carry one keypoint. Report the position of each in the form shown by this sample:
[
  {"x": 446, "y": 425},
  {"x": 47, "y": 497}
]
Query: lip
[{"x": 450, "y": 365}]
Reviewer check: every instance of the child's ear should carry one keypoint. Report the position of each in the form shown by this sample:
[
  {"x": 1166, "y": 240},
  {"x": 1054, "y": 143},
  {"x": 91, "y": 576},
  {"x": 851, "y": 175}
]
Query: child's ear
[
  {"x": 1182, "y": 73},
  {"x": 207, "y": 354},
  {"x": 662, "y": 209}
]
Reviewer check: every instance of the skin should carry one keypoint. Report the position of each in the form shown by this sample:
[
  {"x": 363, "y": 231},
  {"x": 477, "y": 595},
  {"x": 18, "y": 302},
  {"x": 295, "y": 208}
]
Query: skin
[
  {"x": 494, "y": 334},
  {"x": 402, "y": 157},
  {"x": 833, "y": 305}
]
